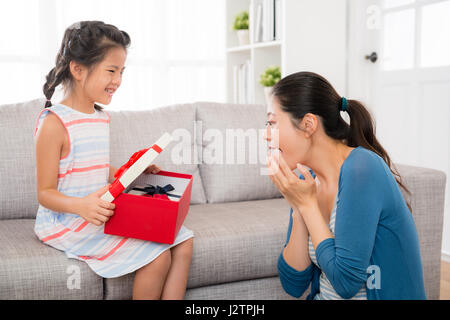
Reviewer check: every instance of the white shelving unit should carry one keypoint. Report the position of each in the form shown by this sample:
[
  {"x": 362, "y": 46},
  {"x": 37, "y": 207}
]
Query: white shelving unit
[
  {"x": 312, "y": 38},
  {"x": 260, "y": 54}
]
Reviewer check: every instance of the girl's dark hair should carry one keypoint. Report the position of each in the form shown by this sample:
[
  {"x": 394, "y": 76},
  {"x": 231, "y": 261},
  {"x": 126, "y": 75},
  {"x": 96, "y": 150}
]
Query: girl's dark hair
[
  {"x": 306, "y": 92},
  {"x": 87, "y": 43}
]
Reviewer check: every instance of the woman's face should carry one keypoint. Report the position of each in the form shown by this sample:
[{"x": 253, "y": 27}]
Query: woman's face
[{"x": 283, "y": 136}]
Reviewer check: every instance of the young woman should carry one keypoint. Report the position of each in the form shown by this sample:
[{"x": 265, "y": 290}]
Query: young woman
[{"x": 351, "y": 234}]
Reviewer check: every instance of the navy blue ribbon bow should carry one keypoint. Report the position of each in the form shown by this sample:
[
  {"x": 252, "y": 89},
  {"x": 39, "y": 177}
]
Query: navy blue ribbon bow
[{"x": 151, "y": 190}]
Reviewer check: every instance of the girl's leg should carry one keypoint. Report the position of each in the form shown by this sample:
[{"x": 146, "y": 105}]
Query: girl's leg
[
  {"x": 175, "y": 286},
  {"x": 149, "y": 280}
]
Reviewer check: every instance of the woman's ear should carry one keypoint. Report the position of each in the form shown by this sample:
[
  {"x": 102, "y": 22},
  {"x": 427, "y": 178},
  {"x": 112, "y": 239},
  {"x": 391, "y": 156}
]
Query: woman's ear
[
  {"x": 77, "y": 70},
  {"x": 310, "y": 123}
]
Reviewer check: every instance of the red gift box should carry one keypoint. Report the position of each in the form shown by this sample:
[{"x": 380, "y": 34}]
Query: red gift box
[{"x": 152, "y": 218}]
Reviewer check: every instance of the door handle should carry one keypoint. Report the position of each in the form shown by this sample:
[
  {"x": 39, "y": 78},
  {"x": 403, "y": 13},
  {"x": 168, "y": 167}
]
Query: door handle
[{"x": 373, "y": 57}]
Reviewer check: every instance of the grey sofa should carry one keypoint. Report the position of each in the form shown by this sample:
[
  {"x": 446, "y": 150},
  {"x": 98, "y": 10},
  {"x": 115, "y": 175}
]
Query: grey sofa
[{"x": 238, "y": 217}]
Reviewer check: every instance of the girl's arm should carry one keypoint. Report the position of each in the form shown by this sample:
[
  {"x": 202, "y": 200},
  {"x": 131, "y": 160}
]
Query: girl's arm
[{"x": 49, "y": 143}]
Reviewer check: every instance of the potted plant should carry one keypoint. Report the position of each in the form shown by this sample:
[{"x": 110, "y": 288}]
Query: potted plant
[
  {"x": 268, "y": 79},
  {"x": 241, "y": 26}
]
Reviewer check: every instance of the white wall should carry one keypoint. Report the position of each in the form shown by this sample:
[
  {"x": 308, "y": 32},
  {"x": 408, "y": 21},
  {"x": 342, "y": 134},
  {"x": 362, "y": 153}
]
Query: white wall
[
  {"x": 176, "y": 53},
  {"x": 320, "y": 27}
]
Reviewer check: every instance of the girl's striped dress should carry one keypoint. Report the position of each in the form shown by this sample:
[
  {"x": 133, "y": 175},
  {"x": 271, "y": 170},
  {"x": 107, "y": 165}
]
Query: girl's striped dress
[
  {"x": 327, "y": 291},
  {"x": 83, "y": 171}
]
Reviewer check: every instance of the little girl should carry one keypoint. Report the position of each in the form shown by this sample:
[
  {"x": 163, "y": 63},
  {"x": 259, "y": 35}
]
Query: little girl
[{"x": 73, "y": 171}]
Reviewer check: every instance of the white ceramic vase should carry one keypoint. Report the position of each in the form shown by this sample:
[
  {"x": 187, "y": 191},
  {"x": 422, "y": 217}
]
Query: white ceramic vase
[{"x": 243, "y": 37}]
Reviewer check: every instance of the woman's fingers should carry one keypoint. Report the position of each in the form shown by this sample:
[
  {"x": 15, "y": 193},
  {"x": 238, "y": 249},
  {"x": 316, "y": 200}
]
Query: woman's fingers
[
  {"x": 275, "y": 173},
  {"x": 305, "y": 172},
  {"x": 285, "y": 168},
  {"x": 284, "y": 172},
  {"x": 282, "y": 175},
  {"x": 272, "y": 168}
]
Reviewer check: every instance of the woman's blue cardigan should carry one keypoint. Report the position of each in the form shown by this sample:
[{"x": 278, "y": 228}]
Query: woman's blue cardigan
[{"x": 375, "y": 241}]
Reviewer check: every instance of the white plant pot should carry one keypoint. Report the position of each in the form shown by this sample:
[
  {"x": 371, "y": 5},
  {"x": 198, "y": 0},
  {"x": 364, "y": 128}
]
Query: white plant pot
[
  {"x": 243, "y": 37},
  {"x": 268, "y": 94}
]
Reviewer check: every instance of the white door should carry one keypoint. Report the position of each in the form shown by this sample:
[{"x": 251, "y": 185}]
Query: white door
[{"x": 407, "y": 88}]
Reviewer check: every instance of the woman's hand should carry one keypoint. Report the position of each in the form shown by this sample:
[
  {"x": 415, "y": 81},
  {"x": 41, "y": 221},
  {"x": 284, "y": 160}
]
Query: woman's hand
[
  {"x": 93, "y": 209},
  {"x": 153, "y": 168},
  {"x": 299, "y": 193}
]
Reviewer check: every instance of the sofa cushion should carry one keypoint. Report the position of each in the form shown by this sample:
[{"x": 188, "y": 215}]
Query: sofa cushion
[
  {"x": 18, "y": 197},
  {"x": 233, "y": 241},
  {"x": 427, "y": 187},
  {"x": 255, "y": 289},
  {"x": 227, "y": 177},
  {"x": 134, "y": 130},
  {"x": 29, "y": 269}
]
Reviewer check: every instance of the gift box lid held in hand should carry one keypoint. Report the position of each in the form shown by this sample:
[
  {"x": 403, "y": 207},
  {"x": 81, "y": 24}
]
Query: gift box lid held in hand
[{"x": 137, "y": 163}]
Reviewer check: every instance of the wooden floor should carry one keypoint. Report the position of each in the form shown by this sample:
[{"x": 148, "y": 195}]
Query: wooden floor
[{"x": 445, "y": 280}]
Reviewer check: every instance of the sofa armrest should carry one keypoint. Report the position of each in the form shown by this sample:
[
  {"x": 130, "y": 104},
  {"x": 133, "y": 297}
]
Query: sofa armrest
[{"x": 427, "y": 199}]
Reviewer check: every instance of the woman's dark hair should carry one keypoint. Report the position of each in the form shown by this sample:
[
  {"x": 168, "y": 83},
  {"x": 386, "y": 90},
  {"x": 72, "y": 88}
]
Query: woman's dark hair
[
  {"x": 87, "y": 43},
  {"x": 307, "y": 92}
]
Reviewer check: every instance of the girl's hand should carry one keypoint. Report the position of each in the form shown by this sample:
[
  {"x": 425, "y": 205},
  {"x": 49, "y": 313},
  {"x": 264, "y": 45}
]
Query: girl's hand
[
  {"x": 153, "y": 168},
  {"x": 95, "y": 210},
  {"x": 299, "y": 193}
]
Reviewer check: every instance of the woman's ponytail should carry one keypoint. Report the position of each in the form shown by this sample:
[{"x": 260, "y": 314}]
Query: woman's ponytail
[
  {"x": 361, "y": 132},
  {"x": 362, "y": 128}
]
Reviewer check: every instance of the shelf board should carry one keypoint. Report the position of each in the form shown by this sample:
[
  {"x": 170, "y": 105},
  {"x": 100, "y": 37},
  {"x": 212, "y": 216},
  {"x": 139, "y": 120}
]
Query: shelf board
[
  {"x": 254, "y": 46},
  {"x": 239, "y": 48},
  {"x": 267, "y": 44}
]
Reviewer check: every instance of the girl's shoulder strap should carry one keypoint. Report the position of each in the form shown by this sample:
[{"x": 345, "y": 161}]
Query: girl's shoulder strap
[
  {"x": 58, "y": 110},
  {"x": 70, "y": 117}
]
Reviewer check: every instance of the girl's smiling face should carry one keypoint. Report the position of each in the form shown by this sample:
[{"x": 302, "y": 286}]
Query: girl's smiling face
[{"x": 106, "y": 77}]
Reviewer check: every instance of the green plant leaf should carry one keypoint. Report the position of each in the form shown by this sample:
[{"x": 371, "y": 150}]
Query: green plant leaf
[
  {"x": 271, "y": 76},
  {"x": 241, "y": 21}
]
